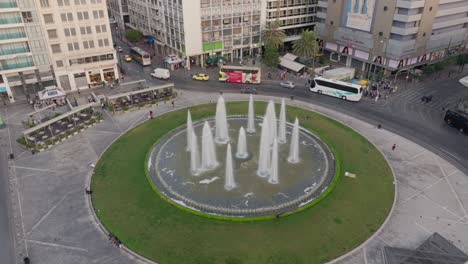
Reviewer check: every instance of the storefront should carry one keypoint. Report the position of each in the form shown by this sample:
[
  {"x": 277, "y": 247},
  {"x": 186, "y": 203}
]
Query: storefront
[
  {"x": 95, "y": 78},
  {"x": 109, "y": 75}
]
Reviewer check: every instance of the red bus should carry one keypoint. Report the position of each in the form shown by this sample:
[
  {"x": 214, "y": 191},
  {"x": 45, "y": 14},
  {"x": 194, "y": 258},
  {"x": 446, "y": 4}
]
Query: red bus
[{"x": 238, "y": 74}]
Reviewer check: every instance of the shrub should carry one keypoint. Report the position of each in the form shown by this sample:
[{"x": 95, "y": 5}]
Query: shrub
[{"x": 134, "y": 35}]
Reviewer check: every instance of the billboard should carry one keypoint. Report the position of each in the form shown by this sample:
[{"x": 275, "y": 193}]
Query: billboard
[{"x": 359, "y": 13}]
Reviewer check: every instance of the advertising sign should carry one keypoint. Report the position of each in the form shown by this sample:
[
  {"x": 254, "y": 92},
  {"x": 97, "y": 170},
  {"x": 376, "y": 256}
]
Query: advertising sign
[
  {"x": 359, "y": 13},
  {"x": 234, "y": 77}
]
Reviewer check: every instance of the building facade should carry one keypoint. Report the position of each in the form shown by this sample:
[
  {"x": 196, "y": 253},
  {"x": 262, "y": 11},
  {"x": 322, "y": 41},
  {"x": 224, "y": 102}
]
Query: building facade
[
  {"x": 200, "y": 29},
  {"x": 24, "y": 59},
  {"x": 295, "y": 16},
  {"x": 389, "y": 35},
  {"x": 67, "y": 43}
]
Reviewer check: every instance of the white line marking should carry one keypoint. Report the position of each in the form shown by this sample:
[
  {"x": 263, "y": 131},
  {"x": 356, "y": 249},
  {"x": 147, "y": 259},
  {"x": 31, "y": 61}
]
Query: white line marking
[
  {"x": 450, "y": 186},
  {"x": 102, "y": 131},
  {"x": 422, "y": 227},
  {"x": 34, "y": 169},
  {"x": 48, "y": 213},
  {"x": 364, "y": 252},
  {"x": 441, "y": 206},
  {"x": 421, "y": 191},
  {"x": 56, "y": 245}
]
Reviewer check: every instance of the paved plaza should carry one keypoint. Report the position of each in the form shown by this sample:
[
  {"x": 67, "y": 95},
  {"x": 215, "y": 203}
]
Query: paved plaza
[{"x": 54, "y": 221}]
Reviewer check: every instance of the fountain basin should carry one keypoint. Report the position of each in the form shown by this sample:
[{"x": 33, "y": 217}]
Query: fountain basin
[{"x": 298, "y": 184}]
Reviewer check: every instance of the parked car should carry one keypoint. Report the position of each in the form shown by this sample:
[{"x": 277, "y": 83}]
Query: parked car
[
  {"x": 249, "y": 90},
  {"x": 288, "y": 84},
  {"x": 161, "y": 73},
  {"x": 127, "y": 58},
  {"x": 201, "y": 77},
  {"x": 119, "y": 49}
]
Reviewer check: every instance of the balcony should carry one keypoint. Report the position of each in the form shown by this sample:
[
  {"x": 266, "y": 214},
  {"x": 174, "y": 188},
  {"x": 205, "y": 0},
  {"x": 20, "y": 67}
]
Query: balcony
[
  {"x": 4, "y": 66},
  {"x": 13, "y": 20},
  {"x": 11, "y": 36},
  {"x": 8, "y": 5},
  {"x": 404, "y": 31},
  {"x": 321, "y": 15},
  {"x": 410, "y": 4},
  {"x": 4, "y": 52},
  {"x": 407, "y": 18},
  {"x": 322, "y": 4}
]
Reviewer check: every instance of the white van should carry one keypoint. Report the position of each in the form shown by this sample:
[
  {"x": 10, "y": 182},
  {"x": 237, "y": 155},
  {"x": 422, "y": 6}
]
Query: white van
[{"x": 161, "y": 73}]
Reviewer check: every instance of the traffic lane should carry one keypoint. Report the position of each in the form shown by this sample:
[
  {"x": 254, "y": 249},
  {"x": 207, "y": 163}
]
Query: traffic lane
[
  {"x": 445, "y": 141},
  {"x": 6, "y": 233}
]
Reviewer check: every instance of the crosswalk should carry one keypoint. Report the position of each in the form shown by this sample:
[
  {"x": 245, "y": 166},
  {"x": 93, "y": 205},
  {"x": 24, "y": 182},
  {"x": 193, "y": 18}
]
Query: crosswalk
[{"x": 441, "y": 99}]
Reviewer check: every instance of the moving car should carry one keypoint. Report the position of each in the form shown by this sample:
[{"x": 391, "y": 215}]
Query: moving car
[
  {"x": 127, "y": 58},
  {"x": 288, "y": 84},
  {"x": 119, "y": 49},
  {"x": 457, "y": 119},
  {"x": 201, "y": 77},
  {"x": 249, "y": 90},
  {"x": 161, "y": 73}
]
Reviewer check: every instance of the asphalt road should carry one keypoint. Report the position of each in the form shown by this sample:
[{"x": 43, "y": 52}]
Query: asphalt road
[{"x": 6, "y": 236}]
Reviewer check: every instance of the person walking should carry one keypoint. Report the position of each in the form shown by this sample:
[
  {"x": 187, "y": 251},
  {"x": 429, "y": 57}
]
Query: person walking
[
  {"x": 173, "y": 103},
  {"x": 393, "y": 147}
]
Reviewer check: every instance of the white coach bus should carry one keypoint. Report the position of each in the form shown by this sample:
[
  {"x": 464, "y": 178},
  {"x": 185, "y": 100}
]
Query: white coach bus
[{"x": 343, "y": 90}]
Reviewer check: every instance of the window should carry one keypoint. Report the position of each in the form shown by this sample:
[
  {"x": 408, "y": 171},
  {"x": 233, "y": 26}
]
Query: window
[
  {"x": 95, "y": 14},
  {"x": 27, "y": 17},
  {"x": 88, "y": 30},
  {"x": 60, "y": 2},
  {"x": 98, "y": 29},
  {"x": 101, "y": 28},
  {"x": 52, "y": 33},
  {"x": 44, "y": 3},
  {"x": 55, "y": 48},
  {"x": 106, "y": 42},
  {"x": 337, "y": 86},
  {"x": 66, "y": 2},
  {"x": 70, "y": 16},
  {"x": 100, "y": 43},
  {"x": 77, "y": 2},
  {"x": 79, "y": 15},
  {"x": 83, "y": 30},
  {"x": 67, "y": 32},
  {"x": 70, "y": 46},
  {"x": 48, "y": 19},
  {"x": 59, "y": 63},
  {"x": 101, "y": 13},
  {"x": 85, "y": 15},
  {"x": 63, "y": 17},
  {"x": 83, "y": 2},
  {"x": 76, "y": 45},
  {"x": 91, "y": 44},
  {"x": 73, "y": 31}
]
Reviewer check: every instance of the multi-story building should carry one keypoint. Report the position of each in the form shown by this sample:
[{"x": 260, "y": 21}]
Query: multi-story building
[
  {"x": 198, "y": 29},
  {"x": 80, "y": 42},
  {"x": 295, "y": 16},
  {"x": 391, "y": 35},
  {"x": 66, "y": 43},
  {"x": 24, "y": 61},
  {"x": 119, "y": 11}
]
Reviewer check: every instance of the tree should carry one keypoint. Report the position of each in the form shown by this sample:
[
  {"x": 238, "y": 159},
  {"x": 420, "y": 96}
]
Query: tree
[
  {"x": 134, "y": 35},
  {"x": 271, "y": 55},
  {"x": 273, "y": 34},
  {"x": 307, "y": 46}
]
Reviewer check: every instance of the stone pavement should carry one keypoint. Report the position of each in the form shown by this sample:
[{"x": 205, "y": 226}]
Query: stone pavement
[{"x": 54, "y": 222}]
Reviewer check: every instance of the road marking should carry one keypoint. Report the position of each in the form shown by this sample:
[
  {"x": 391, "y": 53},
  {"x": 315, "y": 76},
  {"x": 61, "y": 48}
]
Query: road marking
[
  {"x": 364, "y": 252},
  {"x": 47, "y": 214},
  {"x": 422, "y": 227},
  {"x": 56, "y": 245},
  {"x": 450, "y": 186},
  {"x": 450, "y": 154},
  {"x": 34, "y": 169},
  {"x": 421, "y": 191},
  {"x": 107, "y": 132}
]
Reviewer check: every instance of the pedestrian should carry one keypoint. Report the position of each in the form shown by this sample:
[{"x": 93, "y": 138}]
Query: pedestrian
[
  {"x": 151, "y": 114},
  {"x": 394, "y": 147},
  {"x": 173, "y": 103},
  {"x": 26, "y": 260},
  {"x": 103, "y": 105}
]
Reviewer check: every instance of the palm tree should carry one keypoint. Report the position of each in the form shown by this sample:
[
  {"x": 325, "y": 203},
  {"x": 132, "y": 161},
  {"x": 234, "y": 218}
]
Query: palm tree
[
  {"x": 307, "y": 46},
  {"x": 273, "y": 34}
]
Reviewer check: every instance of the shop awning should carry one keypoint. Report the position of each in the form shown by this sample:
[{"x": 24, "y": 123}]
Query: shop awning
[
  {"x": 173, "y": 59},
  {"x": 50, "y": 93},
  {"x": 3, "y": 90},
  {"x": 291, "y": 65},
  {"x": 290, "y": 56}
]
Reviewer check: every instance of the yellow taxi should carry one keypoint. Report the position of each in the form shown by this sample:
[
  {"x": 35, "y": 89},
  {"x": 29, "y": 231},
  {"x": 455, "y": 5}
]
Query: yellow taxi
[
  {"x": 127, "y": 58},
  {"x": 201, "y": 77}
]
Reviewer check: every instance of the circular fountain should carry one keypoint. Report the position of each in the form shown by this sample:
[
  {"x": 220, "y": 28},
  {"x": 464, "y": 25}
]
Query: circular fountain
[{"x": 270, "y": 168}]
